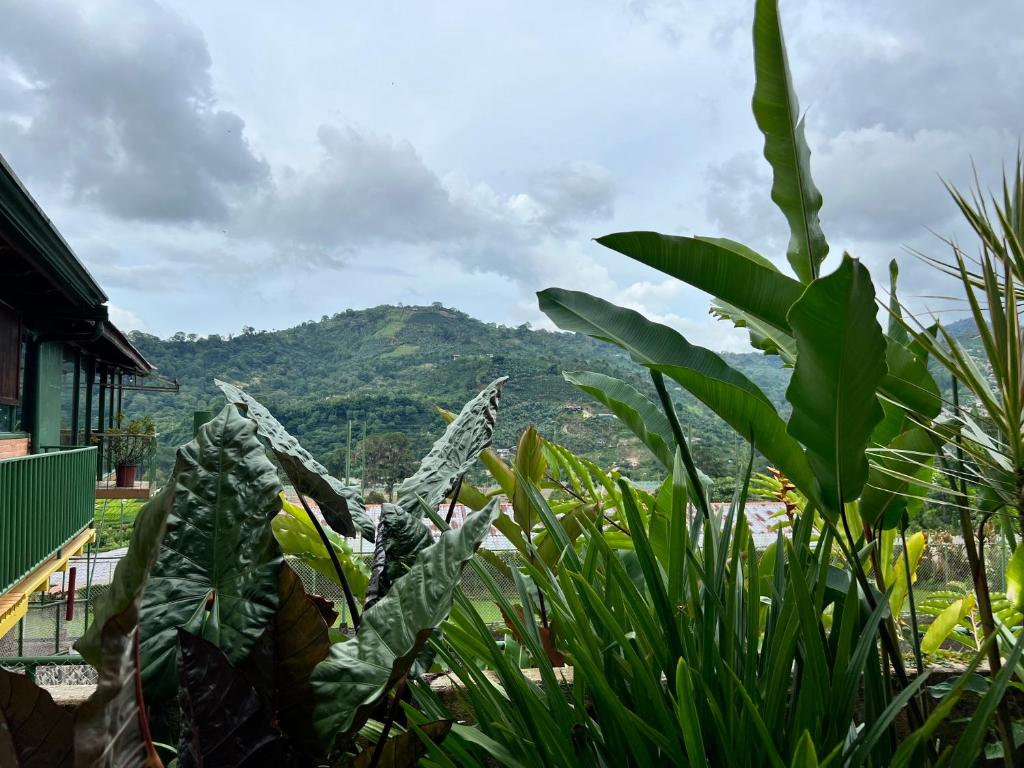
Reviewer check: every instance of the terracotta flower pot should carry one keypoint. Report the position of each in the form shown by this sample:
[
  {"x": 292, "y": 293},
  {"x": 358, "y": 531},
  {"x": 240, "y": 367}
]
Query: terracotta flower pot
[{"x": 126, "y": 475}]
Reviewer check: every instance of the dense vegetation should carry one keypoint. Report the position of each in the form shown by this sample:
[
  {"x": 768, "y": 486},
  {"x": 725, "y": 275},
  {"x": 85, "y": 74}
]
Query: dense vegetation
[{"x": 385, "y": 368}]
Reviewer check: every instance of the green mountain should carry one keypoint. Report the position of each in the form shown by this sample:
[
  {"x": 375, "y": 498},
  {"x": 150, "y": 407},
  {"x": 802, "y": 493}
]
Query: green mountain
[{"x": 385, "y": 368}]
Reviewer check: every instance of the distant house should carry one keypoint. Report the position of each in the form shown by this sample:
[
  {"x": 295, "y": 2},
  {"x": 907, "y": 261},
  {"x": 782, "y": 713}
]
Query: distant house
[{"x": 63, "y": 369}]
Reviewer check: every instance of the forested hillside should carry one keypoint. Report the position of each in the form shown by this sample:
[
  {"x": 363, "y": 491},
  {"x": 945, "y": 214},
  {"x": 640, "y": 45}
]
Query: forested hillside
[{"x": 385, "y": 368}]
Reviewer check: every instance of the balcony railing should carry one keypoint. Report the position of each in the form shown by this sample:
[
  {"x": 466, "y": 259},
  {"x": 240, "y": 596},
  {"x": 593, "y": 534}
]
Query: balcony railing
[{"x": 45, "y": 500}]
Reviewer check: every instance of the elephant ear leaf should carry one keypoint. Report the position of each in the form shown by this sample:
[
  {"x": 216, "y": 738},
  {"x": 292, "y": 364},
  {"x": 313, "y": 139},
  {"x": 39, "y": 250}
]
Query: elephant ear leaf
[
  {"x": 357, "y": 674},
  {"x": 840, "y": 363},
  {"x": 340, "y": 505},
  {"x": 455, "y": 451},
  {"x": 34, "y": 731},
  {"x": 404, "y": 750},
  {"x": 224, "y": 721},
  {"x": 111, "y": 727},
  {"x": 217, "y": 569},
  {"x": 785, "y": 147},
  {"x": 401, "y": 535}
]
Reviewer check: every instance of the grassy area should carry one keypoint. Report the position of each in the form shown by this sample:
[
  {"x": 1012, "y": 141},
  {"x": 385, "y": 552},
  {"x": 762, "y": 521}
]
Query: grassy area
[{"x": 114, "y": 520}]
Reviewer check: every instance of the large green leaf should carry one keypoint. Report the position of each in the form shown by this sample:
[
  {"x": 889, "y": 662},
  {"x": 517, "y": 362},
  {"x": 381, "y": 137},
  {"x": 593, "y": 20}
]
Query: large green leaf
[
  {"x": 1015, "y": 578},
  {"x": 298, "y": 538},
  {"x": 908, "y": 381},
  {"x": 840, "y": 363},
  {"x": 892, "y": 473},
  {"x": 726, "y": 269},
  {"x": 340, "y": 505},
  {"x": 358, "y": 673},
  {"x": 642, "y": 417},
  {"x": 111, "y": 727},
  {"x": 704, "y": 374},
  {"x": 944, "y": 624},
  {"x": 224, "y": 721},
  {"x": 34, "y": 731},
  {"x": 404, "y": 750},
  {"x": 401, "y": 535},
  {"x": 455, "y": 452},
  {"x": 216, "y": 573},
  {"x": 785, "y": 147},
  {"x": 131, "y": 573},
  {"x": 280, "y": 664}
]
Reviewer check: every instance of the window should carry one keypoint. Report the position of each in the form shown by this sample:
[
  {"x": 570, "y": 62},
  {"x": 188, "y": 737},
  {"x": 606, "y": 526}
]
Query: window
[{"x": 10, "y": 356}]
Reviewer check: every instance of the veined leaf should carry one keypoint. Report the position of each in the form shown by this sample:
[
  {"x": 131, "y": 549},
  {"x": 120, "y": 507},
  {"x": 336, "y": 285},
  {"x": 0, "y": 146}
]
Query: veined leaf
[
  {"x": 131, "y": 573},
  {"x": 710, "y": 379},
  {"x": 34, "y": 731},
  {"x": 401, "y": 535},
  {"x": 404, "y": 750},
  {"x": 454, "y": 453},
  {"x": 340, "y": 505},
  {"x": 785, "y": 146},
  {"x": 224, "y": 721},
  {"x": 840, "y": 364},
  {"x": 898, "y": 584},
  {"x": 298, "y": 538},
  {"x": 358, "y": 673},
  {"x": 643, "y": 418},
  {"x": 1015, "y": 578},
  {"x": 530, "y": 464},
  {"x": 284, "y": 657},
  {"x": 891, "y": 473},
  {"x": 946, "y": 622},
  {"x": 727, "y": 270},
  {"x": 216, "y": 573},
  {"x": 111, "y": 727}
]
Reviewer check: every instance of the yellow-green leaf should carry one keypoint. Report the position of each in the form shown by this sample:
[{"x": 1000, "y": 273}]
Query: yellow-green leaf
[
  {"x": 1015, "y": 578},
  {"x": 945, "y": 622},
  {"x": 915, "y": 548}
]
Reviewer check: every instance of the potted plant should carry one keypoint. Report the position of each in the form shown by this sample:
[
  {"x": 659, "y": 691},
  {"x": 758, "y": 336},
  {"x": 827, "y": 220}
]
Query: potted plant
[{"x": 129, "y": 446}]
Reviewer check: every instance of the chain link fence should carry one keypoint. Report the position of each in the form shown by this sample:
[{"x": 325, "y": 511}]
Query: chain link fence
[{"x": 46, "y": 630}]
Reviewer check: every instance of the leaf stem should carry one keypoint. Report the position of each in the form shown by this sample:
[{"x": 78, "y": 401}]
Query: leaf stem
[
  {"x": 684, "y": 448},
  {"x": 349, "y": 597}
]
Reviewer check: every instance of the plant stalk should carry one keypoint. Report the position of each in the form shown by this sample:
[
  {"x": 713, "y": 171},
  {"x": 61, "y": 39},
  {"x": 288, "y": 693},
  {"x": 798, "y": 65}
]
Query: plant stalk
[
  {"x": 684, "y": 448},
  {"x": 455, "y": 499},
  {"x": 350, "y": 599}
]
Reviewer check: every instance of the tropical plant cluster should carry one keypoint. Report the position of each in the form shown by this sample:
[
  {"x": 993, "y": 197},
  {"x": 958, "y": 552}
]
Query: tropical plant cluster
[{"x": 645, "y": 627}]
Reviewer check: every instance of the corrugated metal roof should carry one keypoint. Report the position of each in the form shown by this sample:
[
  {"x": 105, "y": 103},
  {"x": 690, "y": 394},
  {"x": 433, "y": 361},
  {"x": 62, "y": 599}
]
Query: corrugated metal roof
[{"x": 762, "y": 517}]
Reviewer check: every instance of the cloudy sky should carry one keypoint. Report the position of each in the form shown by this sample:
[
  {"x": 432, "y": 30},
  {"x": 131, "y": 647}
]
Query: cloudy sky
[{"x": 220, "y": 164}]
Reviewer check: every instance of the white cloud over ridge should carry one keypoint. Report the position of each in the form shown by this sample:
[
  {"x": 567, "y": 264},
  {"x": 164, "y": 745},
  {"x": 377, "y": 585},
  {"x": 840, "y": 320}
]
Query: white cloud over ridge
[{"x": 302, "y": 162}]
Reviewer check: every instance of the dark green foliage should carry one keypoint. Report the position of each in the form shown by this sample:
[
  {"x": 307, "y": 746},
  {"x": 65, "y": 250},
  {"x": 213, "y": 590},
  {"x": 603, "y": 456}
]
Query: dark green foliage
[
  {"x": 34, "y": 731},
  {"x": 387, "y": 367},
  {"x": 224, "y": 721}
]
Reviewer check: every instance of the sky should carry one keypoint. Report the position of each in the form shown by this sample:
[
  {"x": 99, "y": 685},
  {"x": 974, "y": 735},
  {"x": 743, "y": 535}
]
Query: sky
[{"x": 221, "y": 164}]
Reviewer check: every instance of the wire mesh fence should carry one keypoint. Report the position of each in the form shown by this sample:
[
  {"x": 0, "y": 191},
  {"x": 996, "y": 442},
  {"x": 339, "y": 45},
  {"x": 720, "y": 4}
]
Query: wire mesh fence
[{"x": 50, "y": 629}]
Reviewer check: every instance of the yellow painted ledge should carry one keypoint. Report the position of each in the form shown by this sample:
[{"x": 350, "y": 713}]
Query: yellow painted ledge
[{"x": 14, "y": 602}]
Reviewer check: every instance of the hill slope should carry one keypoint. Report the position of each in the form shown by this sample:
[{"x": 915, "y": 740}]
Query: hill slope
[{"x": 386, "y": 367}]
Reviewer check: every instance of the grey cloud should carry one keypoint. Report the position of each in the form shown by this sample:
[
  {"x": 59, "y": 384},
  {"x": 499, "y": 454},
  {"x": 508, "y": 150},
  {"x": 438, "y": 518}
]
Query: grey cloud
[
  {"x": 573, "y": 191},
  {"x": 118, "y": 107}
]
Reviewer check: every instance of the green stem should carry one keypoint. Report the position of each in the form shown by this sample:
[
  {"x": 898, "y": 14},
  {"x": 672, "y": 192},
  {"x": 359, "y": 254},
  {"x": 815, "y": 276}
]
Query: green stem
[
  {"x": 349, "y": 597},
  {"x": 684, "y": 448}
]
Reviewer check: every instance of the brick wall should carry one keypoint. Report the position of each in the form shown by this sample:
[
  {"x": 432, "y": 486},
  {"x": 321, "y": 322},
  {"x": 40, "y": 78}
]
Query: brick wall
[{"x": 14, "y": 446}]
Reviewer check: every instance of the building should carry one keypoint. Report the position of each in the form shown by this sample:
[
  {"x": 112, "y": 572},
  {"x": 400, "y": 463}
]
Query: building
[{"x": 63, "y": 370}]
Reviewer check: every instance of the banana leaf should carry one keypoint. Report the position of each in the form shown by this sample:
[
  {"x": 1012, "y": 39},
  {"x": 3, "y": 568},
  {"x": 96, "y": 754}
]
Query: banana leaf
[
  {"x": 840, "y": 362},
  {"x": 358, "y": 674},
  {"x": 704, "y": 374},
  {"x": 785, "y": 147},
  {"x": 727, "y": 270},
  {"x": 340, "y": 505},
  {"x": 641, "y": 416}
]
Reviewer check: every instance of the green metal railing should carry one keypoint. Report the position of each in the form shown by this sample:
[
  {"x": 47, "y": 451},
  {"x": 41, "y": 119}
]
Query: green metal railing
[{"x": 45, "y": 500}]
